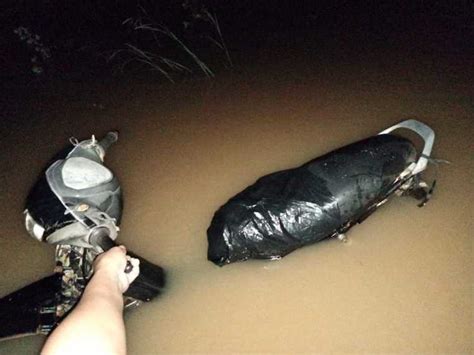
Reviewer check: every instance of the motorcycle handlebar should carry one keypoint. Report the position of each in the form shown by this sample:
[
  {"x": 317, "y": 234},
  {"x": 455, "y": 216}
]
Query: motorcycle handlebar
[
  {"x": 150, "y": 281},
  {"x": 100, "y": 237},
  {"x": 109, "y": 139}
]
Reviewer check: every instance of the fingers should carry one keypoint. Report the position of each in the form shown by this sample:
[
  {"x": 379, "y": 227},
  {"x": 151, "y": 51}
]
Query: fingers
[
  {"x": 113, "y": 263},
  {"x": 132, "y": 275},
  {"x": 114, "y": 253},
  {"x": 126, "y": 278}
]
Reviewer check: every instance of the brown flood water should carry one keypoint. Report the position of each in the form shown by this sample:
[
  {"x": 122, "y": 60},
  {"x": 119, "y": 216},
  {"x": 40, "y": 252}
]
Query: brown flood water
[{"x": 404, "y": 282}]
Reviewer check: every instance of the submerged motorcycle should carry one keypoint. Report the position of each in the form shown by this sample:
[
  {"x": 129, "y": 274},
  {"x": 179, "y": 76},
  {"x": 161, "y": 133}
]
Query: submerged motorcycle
[
  {"x": 323, "y": 198},
  {"x": 76, "y": 204}
]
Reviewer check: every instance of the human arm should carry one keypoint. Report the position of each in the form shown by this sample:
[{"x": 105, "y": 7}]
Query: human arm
[{"x": 96, "y": 323}]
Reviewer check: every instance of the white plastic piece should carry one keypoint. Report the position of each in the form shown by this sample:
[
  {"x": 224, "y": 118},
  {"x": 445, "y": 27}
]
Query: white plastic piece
[
  {"x": 80, "y": 173},
  {"x": 425, "y": 132},
  {"x": 32, "y": 227}
]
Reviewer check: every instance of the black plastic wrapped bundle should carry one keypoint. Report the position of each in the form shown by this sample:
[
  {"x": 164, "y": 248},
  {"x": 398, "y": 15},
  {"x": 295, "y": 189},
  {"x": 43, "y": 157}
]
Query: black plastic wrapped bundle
[{"x": 292, "y": 208}]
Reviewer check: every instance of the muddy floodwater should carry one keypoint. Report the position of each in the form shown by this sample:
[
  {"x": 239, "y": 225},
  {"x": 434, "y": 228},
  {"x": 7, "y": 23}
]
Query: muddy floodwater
[{"x": 403, "y": 282}]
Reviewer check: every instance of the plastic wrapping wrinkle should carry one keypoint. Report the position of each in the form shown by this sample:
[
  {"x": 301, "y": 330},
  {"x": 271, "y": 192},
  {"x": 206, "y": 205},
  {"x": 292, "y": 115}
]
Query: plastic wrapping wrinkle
[{"x": 286, "y": 210}]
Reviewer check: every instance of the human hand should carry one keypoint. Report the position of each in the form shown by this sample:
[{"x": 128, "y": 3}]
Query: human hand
[{"x": 111, "y": 264}]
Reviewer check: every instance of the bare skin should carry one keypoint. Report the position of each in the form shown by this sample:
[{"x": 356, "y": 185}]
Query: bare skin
[{"x": 96, "y": 325}]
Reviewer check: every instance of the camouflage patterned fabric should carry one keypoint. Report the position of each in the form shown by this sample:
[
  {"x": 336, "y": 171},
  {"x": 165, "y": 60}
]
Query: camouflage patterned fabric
[{"x": 75, "y": 263}]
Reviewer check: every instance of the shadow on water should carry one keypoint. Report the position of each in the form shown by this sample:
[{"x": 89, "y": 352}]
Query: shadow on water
[{"x": 403, "y": 283}]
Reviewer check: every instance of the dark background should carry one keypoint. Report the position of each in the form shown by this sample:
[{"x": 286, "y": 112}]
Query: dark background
[{"x": 82, "y": 35}]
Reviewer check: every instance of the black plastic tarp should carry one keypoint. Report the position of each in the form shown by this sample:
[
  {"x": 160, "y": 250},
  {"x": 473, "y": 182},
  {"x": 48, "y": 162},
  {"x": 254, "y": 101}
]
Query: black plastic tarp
[{"x": 292, "y": 208}]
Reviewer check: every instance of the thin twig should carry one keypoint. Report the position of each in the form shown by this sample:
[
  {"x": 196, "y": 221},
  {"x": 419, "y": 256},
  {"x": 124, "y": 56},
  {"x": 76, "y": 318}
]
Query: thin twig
[
  {"x": 215, "y": 22},
  {"x": 208, "y": 72},
  {"x": 158, "y": 68}
]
